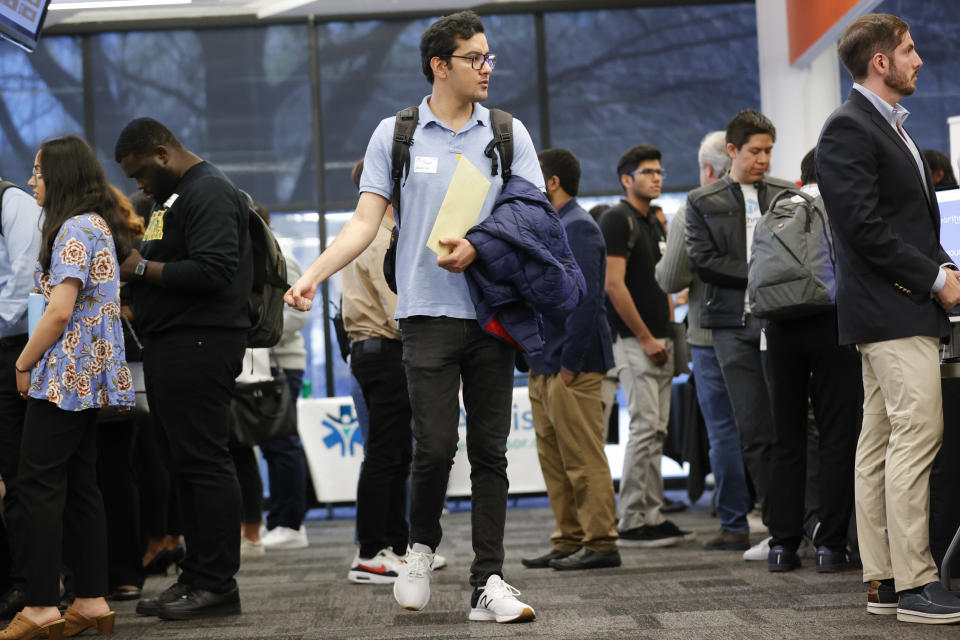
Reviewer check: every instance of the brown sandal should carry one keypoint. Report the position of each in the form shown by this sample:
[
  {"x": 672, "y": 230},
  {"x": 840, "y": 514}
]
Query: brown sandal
[
  {"x": 23, "y": 628},
  {"x": 77, "y": 623}
]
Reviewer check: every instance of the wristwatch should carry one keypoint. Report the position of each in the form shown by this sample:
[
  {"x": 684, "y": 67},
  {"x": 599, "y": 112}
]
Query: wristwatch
[{"x": 141, "y": 269}]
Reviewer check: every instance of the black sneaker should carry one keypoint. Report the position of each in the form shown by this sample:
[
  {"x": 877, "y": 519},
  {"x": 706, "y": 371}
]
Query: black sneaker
[
  {"x": 651, "y": 536},
  {"x": 672, "y": 506},
  {"x": 836, "y": 561},
  {"x": 781, "y": 559},
  {"x": 151, "y": 606},
  {"x": 673, "y": 529},
  {"x": 728, "y": 541},
  {"x": 882, "y": 597},
  {"x": 929, "y": 604}
]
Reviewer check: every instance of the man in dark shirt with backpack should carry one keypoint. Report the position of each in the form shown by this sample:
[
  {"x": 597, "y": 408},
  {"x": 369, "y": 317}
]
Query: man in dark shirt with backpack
[
  {"x": 639, "y": 316},
  {"x": 191, "y": 287}
]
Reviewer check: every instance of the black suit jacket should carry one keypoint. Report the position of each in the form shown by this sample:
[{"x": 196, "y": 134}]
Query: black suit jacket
[{"x": 886, "y": 226}]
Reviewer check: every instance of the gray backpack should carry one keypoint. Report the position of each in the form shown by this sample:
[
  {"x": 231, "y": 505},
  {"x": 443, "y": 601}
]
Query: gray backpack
[{"x": 791, "y": 272}]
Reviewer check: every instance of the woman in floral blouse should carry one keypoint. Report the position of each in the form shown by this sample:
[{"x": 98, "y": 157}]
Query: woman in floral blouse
[{"x": 72, "y": 365}]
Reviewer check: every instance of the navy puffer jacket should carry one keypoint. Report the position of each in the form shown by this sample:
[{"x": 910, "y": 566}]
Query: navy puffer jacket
[{"x": 524, "y": 266}]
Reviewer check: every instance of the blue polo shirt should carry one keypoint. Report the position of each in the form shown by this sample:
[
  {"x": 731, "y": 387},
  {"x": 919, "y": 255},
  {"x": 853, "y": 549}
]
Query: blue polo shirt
[{"x": 423, "y": 288}]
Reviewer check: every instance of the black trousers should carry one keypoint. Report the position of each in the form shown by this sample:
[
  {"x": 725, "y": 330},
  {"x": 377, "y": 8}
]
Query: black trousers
[
  {"x": 437, "y": 354},
  {"x": 190, "y": 379},
  {"x": 12, "y": 408},
  {"x": 121, "y": 502},
  {"x": 159, "y": 498},
  {"x": 382, "y": 489},
  {"x": 251, "y": 484},
  {"x": 287, "y": 469},
  {"x": 63, "y": 512},
  {"x": 804, "y": 359}
]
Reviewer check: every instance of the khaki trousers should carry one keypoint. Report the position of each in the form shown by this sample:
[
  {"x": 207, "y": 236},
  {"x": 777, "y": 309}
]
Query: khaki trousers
[
  {"x": 902, "y": 431},
  {"x": 570, "y": 436}
]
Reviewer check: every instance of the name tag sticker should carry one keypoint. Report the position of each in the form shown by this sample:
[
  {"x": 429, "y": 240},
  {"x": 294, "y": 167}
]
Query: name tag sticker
[{"x": 425, "y": 164}]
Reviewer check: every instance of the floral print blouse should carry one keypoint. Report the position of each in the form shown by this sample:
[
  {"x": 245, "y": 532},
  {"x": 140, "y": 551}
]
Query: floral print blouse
[{"x": 86, "y": 367}]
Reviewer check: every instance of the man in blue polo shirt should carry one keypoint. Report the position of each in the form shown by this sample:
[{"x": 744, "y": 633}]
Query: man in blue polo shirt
[{"x": 442, "y": 341}]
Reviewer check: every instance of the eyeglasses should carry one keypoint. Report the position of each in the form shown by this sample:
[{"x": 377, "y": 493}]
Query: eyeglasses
[
  {"x": 650, "y": 172},
  {"x": 36, "y": 174},
  {"x": 476, "y": 60}
]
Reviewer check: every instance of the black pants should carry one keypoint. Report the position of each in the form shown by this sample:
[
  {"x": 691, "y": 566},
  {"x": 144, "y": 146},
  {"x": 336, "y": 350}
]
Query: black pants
[
  {"x": 437, "y": 354},
  {"x": 12, "y": 408},
  {"x": 121, "y": 502},
  {"x": 382, "y": 489},
  {"x": 803, "y": 358},
  {"x": 251, "y": 484},
  {"x": 190, "y": 379},
  {"x": 159, "y": 498},
  {"x": 62, "y": 508},
  {"x": 287, "y": 469}
]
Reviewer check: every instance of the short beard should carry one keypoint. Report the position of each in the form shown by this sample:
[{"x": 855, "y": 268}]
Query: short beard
[{"x": 900, "y": 82}]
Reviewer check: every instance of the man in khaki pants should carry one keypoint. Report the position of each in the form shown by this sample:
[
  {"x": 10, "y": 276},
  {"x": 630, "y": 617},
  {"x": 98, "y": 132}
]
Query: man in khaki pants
[
  {"x": 891, "y": 275},
  {"x": 565, "y": 381}
]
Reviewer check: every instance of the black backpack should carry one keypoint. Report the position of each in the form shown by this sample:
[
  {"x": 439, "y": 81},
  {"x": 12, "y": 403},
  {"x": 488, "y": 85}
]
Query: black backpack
[
  {"x": 265, "y": 304},
  {"x": 405, "y": 124},
  {"x": 4, "y": 185}
]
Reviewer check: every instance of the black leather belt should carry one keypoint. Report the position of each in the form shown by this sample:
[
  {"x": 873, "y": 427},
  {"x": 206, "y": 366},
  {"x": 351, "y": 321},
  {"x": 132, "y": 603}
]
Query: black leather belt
[
  {"x": 374, "y": 345},
  {"x": 11, "y": 342}
]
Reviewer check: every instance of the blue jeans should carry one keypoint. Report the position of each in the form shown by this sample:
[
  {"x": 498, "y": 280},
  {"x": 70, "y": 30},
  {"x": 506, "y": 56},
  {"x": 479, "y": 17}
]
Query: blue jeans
[{"x": 733, "y": 497}]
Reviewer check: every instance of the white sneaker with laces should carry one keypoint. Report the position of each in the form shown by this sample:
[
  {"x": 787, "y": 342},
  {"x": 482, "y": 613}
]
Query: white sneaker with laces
[
  {"x": 383, "y": 568},
  {"x": 412, "y": 587},
  {"x": 286, "y": 538},
  {"x": 759, "y": 551},
  {"x": 498, "y": 601}
]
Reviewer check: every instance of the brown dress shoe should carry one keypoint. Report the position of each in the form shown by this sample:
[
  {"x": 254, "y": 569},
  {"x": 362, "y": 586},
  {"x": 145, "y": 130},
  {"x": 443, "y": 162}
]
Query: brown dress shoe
[
  {"x": 77, "y": 622},
  {"x": 22, "y": 628}
]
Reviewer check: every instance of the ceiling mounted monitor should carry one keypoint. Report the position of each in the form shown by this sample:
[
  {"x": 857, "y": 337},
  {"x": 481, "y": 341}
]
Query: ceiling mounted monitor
[{"x": 22, "y": 20}]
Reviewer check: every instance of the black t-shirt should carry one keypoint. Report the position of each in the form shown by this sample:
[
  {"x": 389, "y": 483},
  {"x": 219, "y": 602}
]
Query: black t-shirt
[
  {"x": 650, "y": 300},
  {"x": 204, "y": 238}
]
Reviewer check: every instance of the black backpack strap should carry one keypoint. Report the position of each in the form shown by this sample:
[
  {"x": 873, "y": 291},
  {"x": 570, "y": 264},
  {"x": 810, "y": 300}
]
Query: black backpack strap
[
  {"x": 502, "y": 124},
  {"x": 403, "y": 128}
]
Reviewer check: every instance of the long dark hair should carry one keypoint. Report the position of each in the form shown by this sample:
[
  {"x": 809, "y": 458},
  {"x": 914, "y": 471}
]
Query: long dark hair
[{"x": 75, "y": 184}]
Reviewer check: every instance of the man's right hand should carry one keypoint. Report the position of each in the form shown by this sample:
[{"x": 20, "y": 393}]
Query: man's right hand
[
  {"x": 300, "y": 295},
  {"x": 949, "y": 296},
  {"x": 658, "y": 353}
]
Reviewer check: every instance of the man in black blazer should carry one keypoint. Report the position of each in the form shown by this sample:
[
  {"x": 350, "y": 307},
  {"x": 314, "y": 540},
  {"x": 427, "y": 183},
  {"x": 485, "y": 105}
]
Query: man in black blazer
[{"x": 893, "y": 277}]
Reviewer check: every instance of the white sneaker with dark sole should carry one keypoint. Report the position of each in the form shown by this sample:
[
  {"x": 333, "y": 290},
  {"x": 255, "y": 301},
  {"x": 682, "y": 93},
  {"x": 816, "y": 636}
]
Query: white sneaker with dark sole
[
  {"x": 412, "y": 587},
  {"x": 497, "y": 602},
  {"x": 383, "y": 568}
]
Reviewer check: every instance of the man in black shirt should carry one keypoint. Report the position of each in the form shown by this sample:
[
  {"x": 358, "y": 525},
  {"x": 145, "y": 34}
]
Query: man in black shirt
[
  {"x": 192, "y": 277},
  {"x": 639, "y": 315}
]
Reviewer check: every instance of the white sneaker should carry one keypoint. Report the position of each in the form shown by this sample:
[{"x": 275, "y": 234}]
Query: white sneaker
[
  {"x": 251, "y": 549},
  {"x": 439, "y": 562},
  {"x": 498, "y": 601},
  {"x": 286, "y": 538},
  {"x": 383, "y": 568},
  {"x": 759, "y": 551},
  {"x": 412, "y": 587}
]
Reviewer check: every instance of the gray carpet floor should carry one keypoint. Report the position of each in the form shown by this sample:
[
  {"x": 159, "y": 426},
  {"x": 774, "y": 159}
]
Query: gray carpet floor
[{"x": 678, "y": 593}]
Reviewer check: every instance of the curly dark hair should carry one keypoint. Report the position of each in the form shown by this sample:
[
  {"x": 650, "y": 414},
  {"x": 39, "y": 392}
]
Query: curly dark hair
[{"x": 440, "y": 38}]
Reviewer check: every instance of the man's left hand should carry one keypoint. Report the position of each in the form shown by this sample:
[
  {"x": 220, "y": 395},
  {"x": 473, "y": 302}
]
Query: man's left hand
[
  {"x": 567, "y": 376},
  {"x": 461, "y": 255},
  {"x": 127, "y": 267}
]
